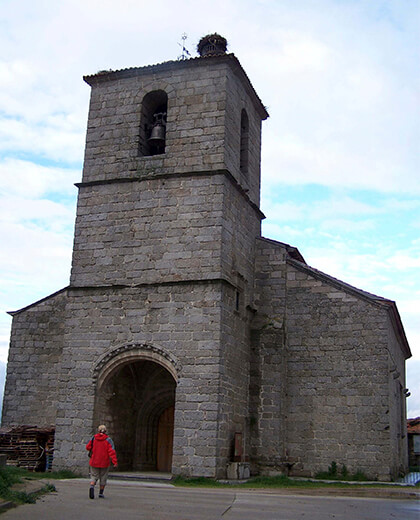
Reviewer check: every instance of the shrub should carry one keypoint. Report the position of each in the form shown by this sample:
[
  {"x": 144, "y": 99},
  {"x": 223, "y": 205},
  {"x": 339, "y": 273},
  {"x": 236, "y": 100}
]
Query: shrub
[{"x": 333, "y": 474}]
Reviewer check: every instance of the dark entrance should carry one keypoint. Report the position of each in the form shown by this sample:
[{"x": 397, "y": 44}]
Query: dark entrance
[{"x": 137, "y": 402}]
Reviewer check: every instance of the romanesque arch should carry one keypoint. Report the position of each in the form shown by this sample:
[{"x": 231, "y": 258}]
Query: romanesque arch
[
  {"x": 152, "y": 138},
  {"x": 135, "y": 389}
]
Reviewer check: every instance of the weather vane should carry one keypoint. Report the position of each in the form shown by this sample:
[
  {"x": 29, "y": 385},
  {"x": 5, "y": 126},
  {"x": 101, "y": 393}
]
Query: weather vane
[{"x": 185, "y": 53}]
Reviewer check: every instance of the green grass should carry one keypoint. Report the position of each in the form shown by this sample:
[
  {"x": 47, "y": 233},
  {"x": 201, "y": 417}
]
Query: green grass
[
  {"x": 335, "y": 473},
  {"x": 10, "y": 475},
  {"x": 196, "y": 482},
  {"x": 282, "y": 481}
]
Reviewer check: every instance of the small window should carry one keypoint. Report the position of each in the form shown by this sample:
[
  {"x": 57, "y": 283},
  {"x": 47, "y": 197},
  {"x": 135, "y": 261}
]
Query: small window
[
  {"x": 237, "y": 300},
  {"x": 244, "y": 150},
  {"x": 154, "y": 109}
]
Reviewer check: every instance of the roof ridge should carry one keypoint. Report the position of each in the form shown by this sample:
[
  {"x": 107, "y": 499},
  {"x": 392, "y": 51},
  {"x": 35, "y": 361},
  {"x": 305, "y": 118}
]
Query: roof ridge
[{"x": 343, "y": 284}]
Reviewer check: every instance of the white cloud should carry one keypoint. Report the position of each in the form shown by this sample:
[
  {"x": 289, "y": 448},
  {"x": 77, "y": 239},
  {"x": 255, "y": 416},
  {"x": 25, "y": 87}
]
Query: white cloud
[
  {"x": 52, "y": 138},
  {"x": 17, "y": 76},
  {"x": 36, "y": 249},
  {"x": 354, "y": 160},
  {"x": 354, "y": 124},
  {"x": 27, "y": 179},
  {"x": 37, "y": 211},
  {"x": 38, "y": 259},
  {"x": 34, "y": 262},
  {"x": 401, "y": 261},
  {"x": 298, "y": 52},
  {"x": 342, "y": 206},
  {"x": 284, "y": 211},
  {"x": 343, "y": 226},
  {"x": 4, "y": 341}
]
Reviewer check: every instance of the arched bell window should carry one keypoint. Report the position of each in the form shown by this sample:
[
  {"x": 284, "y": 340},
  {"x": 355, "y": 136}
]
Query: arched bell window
[
  {"x": 244, "y": 144},
  {"x": 153, "y": 123}
]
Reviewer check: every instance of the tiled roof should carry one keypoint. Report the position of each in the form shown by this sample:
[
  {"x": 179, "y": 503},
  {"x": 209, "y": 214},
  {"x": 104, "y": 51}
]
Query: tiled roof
[
  {"x": 413, "y": 425},
  {"x": 110, "y": 75}
]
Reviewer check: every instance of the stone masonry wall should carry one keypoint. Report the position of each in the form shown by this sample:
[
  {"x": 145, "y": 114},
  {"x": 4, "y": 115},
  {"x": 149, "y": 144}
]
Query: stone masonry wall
[
  {"x": 267, "y": 397},
  {"x": 234, "y": 377},
  {"x": 325, "y": 368},
  {"x": 195, "y": 121},
  {"x": 269, "y": 360},
  {"x": 34, "y": 363},
  {"x": 270, "y": 281},
  {"x": 337, "y": 378},
  {"x": 397, "y": 405},
  {"x": 236, "y": 100},
  {"x": 184, "y": 216},
  {"x": 182, "y": 320},
  {"x": 205, "y": 99},
  {"x": 147, "y": 232},
  {"x": 241, "y": 224}
]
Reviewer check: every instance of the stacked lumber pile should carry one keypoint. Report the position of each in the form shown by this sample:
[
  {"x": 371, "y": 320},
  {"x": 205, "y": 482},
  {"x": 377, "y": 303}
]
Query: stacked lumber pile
[{"x": 27, "y": 446}]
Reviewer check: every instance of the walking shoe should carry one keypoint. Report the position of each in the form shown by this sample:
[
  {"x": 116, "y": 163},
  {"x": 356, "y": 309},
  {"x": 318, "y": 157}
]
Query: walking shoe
[
  {"x": 91, "y": 492},
  {"x": 101, "y": 495}
]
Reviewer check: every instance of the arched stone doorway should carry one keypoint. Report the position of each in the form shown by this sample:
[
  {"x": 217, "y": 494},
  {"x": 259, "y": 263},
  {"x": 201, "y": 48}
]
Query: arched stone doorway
[{"x": 135, "y": 397}]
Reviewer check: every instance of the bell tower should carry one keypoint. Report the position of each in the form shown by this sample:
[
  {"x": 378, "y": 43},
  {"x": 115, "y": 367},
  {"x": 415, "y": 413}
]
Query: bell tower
[
  {"x": 171, "y": 177},
  {"x": 163, "y": 260}
]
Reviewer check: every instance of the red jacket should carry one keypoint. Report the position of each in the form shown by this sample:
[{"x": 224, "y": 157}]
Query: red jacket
[{"x": 103, "y": 452}]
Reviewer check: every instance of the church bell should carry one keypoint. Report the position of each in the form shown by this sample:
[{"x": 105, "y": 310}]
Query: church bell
[{"x": 158, "y": 130}]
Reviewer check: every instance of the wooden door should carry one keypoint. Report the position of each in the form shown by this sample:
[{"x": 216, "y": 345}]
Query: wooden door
[{"x": 165, "y": 440}]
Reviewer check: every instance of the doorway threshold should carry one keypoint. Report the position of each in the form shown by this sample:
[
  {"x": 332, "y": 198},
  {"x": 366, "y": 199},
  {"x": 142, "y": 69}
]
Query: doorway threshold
[{"x": 141, "y": 476}]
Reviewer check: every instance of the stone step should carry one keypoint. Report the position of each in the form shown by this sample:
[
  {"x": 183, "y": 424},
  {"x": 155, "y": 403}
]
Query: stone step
[{"x": 141, "y": 476}]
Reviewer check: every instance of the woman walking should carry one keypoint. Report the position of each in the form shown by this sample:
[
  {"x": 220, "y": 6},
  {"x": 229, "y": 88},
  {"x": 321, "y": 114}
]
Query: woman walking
[{"x": 102, "y": 453}]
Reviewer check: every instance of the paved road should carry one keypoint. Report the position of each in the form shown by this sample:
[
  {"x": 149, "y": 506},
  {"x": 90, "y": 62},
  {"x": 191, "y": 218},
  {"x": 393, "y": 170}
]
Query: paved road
[{"x": 131, "y": 500}]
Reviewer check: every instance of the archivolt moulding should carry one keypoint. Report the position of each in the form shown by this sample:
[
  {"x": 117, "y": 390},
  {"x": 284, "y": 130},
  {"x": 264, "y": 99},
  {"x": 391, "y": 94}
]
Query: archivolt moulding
[{"x": 130, "y": 353}]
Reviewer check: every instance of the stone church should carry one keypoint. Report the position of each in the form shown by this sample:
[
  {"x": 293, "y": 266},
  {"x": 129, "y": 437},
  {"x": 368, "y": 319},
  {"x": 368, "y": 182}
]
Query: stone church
[{"x": 200, "y": 343}]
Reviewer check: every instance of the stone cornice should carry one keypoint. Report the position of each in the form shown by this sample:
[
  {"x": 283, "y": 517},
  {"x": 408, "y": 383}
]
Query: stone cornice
[
  {"x": 77, "y": 288},
  {"x": 168, "y": 66},
  {"x": 154, "y": 176}
]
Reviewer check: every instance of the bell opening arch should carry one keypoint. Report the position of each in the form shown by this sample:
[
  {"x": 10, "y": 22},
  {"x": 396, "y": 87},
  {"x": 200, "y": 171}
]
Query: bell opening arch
[
  {"x": 135, "y": 389},
  {"x": 153, "y": 120}
]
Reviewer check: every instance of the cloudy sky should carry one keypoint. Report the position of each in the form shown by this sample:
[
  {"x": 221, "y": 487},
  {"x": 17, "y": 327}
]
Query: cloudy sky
[{"x": 340, "y": 166}]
